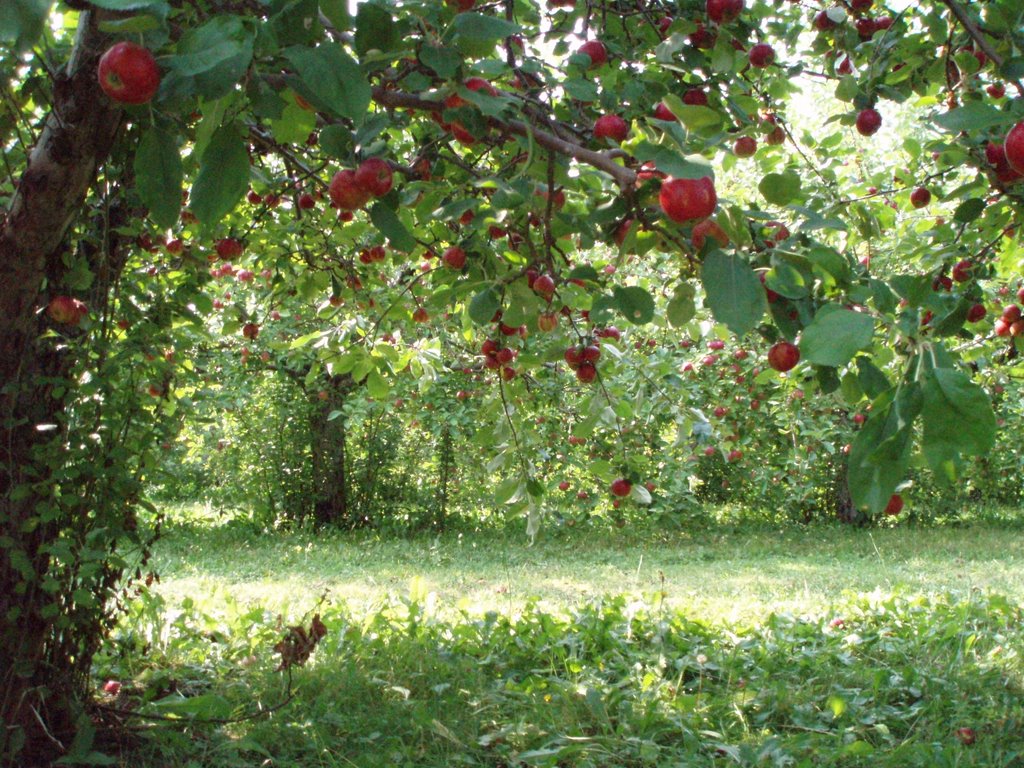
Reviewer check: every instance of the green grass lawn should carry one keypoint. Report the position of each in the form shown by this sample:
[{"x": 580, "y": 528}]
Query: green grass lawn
[
  {"x": 721, "y": 575},
  {"x": 790, "y": 647}
]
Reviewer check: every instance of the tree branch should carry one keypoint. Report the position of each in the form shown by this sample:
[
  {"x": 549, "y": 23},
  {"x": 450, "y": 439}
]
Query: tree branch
[
  {"x": 979, "y": 37},
  {"x": 602, "y": 161}
]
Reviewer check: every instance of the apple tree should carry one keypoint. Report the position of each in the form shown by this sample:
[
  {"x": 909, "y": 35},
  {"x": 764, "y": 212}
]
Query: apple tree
[{"x": 402, "y": 166}]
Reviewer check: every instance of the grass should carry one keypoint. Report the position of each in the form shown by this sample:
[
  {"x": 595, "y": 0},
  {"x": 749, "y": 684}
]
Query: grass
[
  {"x": 767, "y": 647},
  {"x": 725, "y": 575}
]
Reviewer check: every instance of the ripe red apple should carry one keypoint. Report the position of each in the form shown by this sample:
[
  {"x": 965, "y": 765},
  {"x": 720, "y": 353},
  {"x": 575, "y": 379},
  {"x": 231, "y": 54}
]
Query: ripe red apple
[
  {"x": 596, "y": 51},
  {"x": 128, "y": 73},
  {"x": 547, "y": 322},
  {"x": 1014, "y": 147},
  {"x": 920, "y": 197},
  {"x": 564, "y": 485},
  {"x": 662, "y": 112},
  {"x": 250, "y": 331},
  {"x": 621, "y": 487},
  {"x": 544, "y": 286},
  {"x": 611, "y": 127},
  {"x": 695, "y": 97},
  {"x": 962, "y": 271},
  {"x": 895, "y": 505},
  {"x": 346, "y": 193},
  {"x": 66, "y": 310},
  {"x": 783, "y": 356},
  {"x": 823, "y": 22},
  {"x": 586, "y": 373},
  {"x": 724, "y": 11},
  {"x": 113, "y": 687},
  {"x": 975, "y": 313},
  {"x": 1012, "y": 313},
  {"x": 374, "y": 175},
  {"x": 229, "y": 248},
  {"x": 420, "y": 315},
  {"x": 868, "y": 122},
  {"x": 996, "y": 90},
  {"x": 688, "y": 199},
  {"x": 745, "y": 146},
  {"x": 761, "y": 55},
  {"x": 454, "y": 257}
]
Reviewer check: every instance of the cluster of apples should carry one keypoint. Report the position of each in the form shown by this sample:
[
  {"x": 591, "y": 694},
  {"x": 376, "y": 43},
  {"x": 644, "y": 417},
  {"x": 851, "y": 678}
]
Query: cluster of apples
[
  {"x": 583, "y": 359},
  {"x": 350, "y": 189}
]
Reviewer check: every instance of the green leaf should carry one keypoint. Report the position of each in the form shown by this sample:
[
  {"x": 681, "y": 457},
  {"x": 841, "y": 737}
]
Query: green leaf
[
  {"x": 336, "y": 140},
  {"x": 444, "y": 61},
  {"x": 880, "y": 454},
  {"x": 780, "y": 188},
  {"x": 835, "y": 336},
  {"x": 337, "y": 13},
  {"x": 694, "y": 117},
  {"x": 958, "y": 418},
  {"x": 668, "y": 160},
  {"x": 479, "y": 27},
  {"x": 681, "y": 309},
  {"x": 870, "y": 378},
  {"x": 387, "y": 221},
  {"x": 635, "y": 304},
  {"x": 158, "y": 176},
  {"x": 733, "y": 292},
  {"x": 974, "y": 116},
  {"x": 23, "y": 21},
  {"x": 375, "y": 29},
  {"x": 969, "y": 210},
  {"x": 215, "y": 43},
  {"x": 483, "y": 306},
  {"x": 377, "y": 386},
  {"x": 223, "y": 177},
  {"x": 331, "y": 80}
]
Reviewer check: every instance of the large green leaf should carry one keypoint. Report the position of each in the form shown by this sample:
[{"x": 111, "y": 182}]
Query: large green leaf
[
  {"x": 780, "y": 188},
  {"x": 479, "y": 26},
  {"x": 974, "y": 116},
  {"x": 331, "y": 80},
  {"x": 483, "y": 306},
  {"x": 835, "y": 336},
  {"x": 880, "y": 454},
  {"x": 635, "y": 304},
  {"x": 158, "y": 176},
  {"x": 734, "y": 294},
  {"x": 375, "y": 29},
  {"x": 387, "y": 221},
  {"x": 681, "y": 309},
  {"x": 958, "y": 419},
  {"x": 23, "y": 21},
  {"x": 223, "y": 177}
]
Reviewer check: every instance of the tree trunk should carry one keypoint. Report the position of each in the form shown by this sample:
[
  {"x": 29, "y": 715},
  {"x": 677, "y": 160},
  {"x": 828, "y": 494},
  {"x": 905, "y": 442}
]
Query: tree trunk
[
  {"x": 38, "y": 697},
  {"x": 330, "y": 483}
]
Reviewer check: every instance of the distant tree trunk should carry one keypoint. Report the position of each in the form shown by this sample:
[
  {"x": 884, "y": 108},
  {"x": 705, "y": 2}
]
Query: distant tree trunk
[
  {"x": 839, "y": 495},
  {"x": 329, "y": 443},
  {"x": 446, "y": 465},
  {"x": 40, "y": 684}
]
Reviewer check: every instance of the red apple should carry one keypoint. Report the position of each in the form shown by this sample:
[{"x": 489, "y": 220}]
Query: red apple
[
  {"x": 128, "y": 73},
  {"x": 895, "y": 505},
  {"x": 745, "y": 146},
  {"x": 920, "y": 197},
  {"x": 250, "y": 331},
  {"x": 688, "y": 199},
  {"x": 1014, "y": 147},
  {"x": 761, "y": 55},
  {"x": 374, "y": 175},
  {"x": 868, "y": 122},
  {"x": 454, "y": 257},
  {"x": 621, "y": 487},
  {"x": 66, "y": 310},
  {"x": 113, "y": 687},
  {"x": 967, "y": 736},
  {"x": 975, "y": 313},
  {"x": 586, "y": 373},
  {"x": 544, "y": 286},
  {"x": 695, "y": 97},
  {"x": 662, "y": 112},
  {"x": 611, "y": 127},
  {"x": 547, "y": 322},
  {"x": 596, "y": 51},
  {"x": 229, "y": 248},
  {"x": 564, "y": 485},
  {"x": 346, "y": 193},
  {"x": 962, "y": 271},
  {"x": 724, "y": 11},
  {"x": 783, "y": 356}
]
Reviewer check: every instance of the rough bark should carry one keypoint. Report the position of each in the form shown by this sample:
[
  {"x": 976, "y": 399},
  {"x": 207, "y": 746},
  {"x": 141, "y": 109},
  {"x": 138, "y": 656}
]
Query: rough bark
[
  {"x": 36, "y": 700},
  {"x": 330, "y": 482}
]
